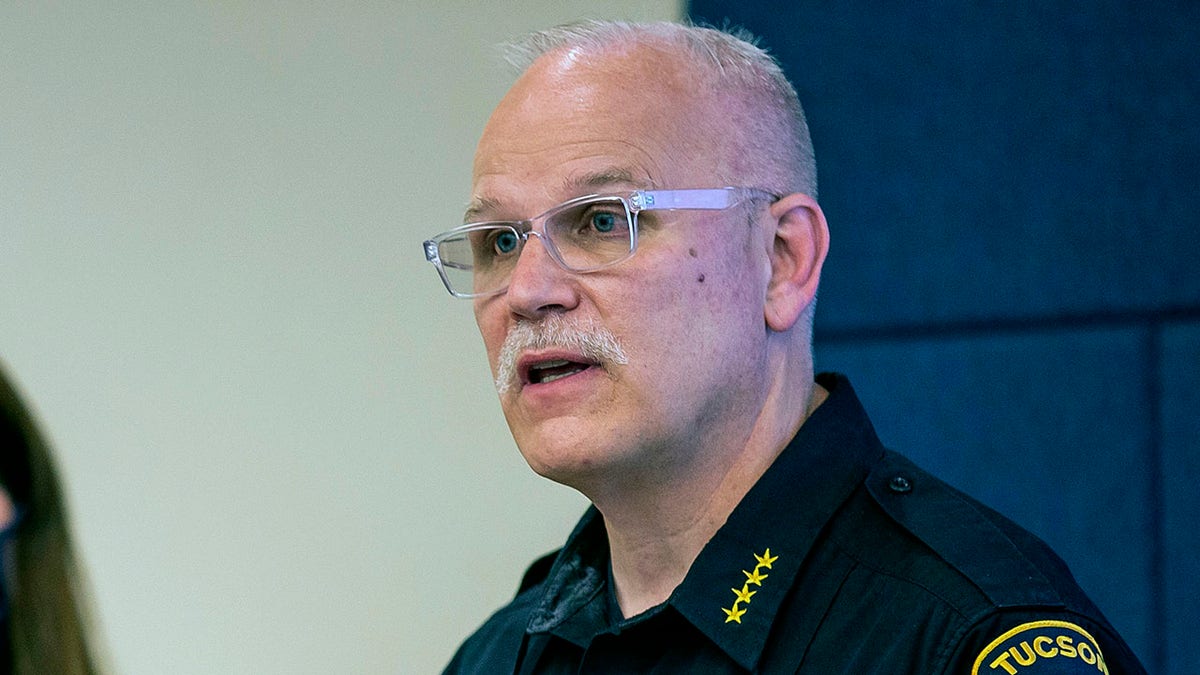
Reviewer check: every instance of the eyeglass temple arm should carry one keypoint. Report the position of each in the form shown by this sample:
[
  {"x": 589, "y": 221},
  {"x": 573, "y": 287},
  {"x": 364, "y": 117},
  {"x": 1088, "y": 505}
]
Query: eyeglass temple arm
[{"x": 712, "y": 198}]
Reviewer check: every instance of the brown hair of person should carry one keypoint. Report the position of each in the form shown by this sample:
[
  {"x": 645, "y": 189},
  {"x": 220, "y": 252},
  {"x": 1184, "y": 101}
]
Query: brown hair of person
[{"x": 47, "y": 617}]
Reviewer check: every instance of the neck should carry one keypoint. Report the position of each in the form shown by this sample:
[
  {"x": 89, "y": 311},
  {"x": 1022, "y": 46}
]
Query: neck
[{"x": 658, "y": 525}]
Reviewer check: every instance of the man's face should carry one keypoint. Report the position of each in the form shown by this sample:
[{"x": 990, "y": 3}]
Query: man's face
[{"x": 687, "y": 308}]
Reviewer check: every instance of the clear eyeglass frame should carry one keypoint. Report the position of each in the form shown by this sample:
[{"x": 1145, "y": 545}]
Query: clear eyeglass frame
[{"x": 457, "y": 253}]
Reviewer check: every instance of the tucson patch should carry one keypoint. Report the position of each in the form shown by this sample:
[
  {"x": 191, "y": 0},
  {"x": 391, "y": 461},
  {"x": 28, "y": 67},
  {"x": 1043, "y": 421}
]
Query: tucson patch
[{"x": 1041, "y": 647}]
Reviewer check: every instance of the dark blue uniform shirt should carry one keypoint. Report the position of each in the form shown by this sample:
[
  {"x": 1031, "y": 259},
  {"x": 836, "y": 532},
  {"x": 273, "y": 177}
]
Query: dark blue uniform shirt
[{"x": 843, "y": 558}]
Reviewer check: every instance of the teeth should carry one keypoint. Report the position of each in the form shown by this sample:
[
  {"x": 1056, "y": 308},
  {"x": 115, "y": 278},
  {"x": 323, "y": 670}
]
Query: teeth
[{"x": 549, "y": 371}]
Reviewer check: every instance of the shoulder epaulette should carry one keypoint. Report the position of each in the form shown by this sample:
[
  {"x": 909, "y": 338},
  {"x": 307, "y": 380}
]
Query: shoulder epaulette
[{"x": 961, "y": 532}]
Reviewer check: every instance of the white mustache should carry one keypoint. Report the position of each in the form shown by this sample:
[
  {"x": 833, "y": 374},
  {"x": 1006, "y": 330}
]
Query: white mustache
[{"x": 591, "y": 340}]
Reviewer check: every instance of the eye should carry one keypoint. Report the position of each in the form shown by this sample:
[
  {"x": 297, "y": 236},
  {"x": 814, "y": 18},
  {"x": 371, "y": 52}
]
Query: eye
[
  {"x": 585, "y": 224},
  {"x": 603, "y": 221},
  {"x": 506, "y": 242}
]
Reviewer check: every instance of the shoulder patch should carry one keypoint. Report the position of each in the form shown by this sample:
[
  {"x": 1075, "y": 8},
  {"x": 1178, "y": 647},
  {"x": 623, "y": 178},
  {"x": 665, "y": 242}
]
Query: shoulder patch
[{"x": 1041, "y": 647}]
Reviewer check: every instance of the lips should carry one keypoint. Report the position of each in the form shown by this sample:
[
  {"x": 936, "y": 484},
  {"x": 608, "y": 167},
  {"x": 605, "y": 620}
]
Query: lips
[{"x": 550, "y": 353}]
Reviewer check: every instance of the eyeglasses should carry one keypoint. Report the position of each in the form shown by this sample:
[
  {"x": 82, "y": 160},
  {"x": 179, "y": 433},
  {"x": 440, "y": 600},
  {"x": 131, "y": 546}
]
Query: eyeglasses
[{"x": 582, "y": 235}]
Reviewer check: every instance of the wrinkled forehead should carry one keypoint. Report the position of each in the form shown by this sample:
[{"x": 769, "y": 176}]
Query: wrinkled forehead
[
  {"x": 640, "y": 109},
  {"x": 600, "y": 180}
]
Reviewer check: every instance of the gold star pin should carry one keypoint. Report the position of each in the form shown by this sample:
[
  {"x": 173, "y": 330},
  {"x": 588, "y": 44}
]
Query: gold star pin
[
  {"x": 766, "y": 558},
  {"x": 743, "y": 594},
  {"x": 755, "y": 577},
  {"x": 733, "y": 614}
]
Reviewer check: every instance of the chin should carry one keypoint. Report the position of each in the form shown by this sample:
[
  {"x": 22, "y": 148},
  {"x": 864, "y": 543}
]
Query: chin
[
  {"x": 567, "y": 461},
  {"x": 579, "y": 452},
  {"x": 566, "y": 465}
]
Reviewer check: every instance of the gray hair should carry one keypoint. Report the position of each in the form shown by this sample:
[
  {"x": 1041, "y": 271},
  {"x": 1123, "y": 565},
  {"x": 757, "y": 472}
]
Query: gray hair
[{"x": 735, "y": 62}]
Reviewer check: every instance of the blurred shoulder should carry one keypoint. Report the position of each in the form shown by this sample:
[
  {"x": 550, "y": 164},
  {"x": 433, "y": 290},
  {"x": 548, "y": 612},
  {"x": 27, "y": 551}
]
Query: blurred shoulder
[{"x": 494, "y": 646}]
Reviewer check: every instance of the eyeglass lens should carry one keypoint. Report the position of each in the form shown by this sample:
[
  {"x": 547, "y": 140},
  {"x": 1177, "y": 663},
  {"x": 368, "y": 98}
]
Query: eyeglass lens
[{"x": 581, "y": 236}]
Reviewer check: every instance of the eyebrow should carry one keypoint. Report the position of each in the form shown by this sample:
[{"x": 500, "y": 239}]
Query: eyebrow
[
  {"x": 599, "y": 179},
  {"x": 576, "y": 186},
  {"x": 477, "y": 206}
]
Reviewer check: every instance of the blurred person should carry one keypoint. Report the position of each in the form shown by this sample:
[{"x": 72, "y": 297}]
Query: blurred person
[{"x": 41, "y": 591}]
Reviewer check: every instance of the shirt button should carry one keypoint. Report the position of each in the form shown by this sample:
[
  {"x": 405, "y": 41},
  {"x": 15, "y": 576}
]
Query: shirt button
[{"x": 900, "y": 484}]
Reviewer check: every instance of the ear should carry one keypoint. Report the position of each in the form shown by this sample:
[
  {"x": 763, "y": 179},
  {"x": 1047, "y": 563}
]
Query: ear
[{"x": 797, "y": 252}]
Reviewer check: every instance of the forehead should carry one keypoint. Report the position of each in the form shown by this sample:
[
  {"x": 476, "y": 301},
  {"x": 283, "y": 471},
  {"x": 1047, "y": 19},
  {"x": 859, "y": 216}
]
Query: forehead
[
  {"x": 614, "y": 179},
  {"x": 576, "y": 120}
]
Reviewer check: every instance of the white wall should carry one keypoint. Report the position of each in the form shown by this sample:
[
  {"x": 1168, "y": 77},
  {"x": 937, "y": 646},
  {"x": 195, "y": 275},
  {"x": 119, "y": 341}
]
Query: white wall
[{"x": 278, "y": 433}]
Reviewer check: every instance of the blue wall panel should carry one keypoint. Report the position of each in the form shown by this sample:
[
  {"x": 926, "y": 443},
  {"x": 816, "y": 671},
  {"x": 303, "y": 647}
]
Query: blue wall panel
[
  {"x": 1046, "y": 429},
  {"x": 1181, "y": 462},
  {"x": 997, "y": 159}
]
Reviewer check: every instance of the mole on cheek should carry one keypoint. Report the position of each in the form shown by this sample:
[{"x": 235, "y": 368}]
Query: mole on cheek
[
  {"x": 700, "y": 278},
  {"x": 692, "y": 252}
]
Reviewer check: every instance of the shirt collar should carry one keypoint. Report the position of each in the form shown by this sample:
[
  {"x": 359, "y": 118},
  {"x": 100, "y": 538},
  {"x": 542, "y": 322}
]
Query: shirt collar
[
  {"x": 736, "y": 585},
  {"x": 572, "y": 605}
]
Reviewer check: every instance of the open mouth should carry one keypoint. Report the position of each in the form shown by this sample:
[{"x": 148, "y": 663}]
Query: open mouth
[{"x": 557, "y": 369}]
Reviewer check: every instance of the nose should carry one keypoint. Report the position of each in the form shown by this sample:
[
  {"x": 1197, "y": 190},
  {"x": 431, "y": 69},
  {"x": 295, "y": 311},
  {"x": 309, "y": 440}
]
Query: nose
[{"x": 539, "y": 285}]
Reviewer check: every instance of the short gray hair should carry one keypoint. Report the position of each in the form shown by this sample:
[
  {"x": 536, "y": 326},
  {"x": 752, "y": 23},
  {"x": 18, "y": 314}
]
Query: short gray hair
[{"x": 735, "y": 61}]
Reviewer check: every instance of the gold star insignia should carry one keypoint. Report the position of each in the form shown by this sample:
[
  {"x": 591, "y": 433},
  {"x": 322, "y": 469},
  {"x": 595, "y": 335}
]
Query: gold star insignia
[
  {"x": 766, "y": 558},
  {"x": 744, "y": 593},
  {"x": 733, "y": 614},
  {"x": 754, "y": 577}
]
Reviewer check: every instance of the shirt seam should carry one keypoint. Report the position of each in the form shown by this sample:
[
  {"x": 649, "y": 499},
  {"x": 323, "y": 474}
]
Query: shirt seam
[{"x": 848, "y": 552}]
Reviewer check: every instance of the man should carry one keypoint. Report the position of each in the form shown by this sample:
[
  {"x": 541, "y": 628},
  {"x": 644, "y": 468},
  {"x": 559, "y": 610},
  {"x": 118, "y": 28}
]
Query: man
[{"x": 649, "y": 329}]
